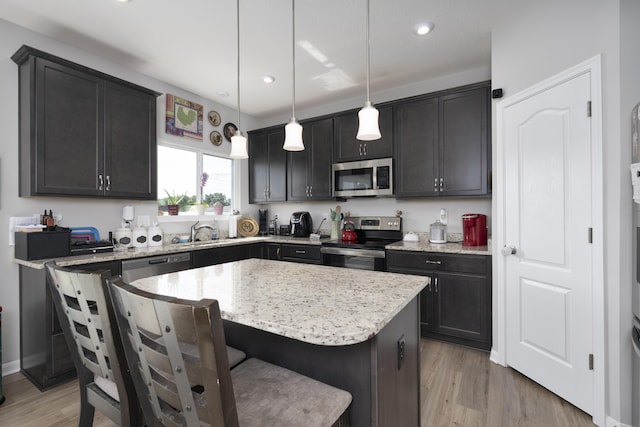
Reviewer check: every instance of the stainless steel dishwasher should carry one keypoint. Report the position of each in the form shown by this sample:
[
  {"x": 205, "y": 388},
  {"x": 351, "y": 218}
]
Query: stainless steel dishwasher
[{"x": 133, "y": 269}]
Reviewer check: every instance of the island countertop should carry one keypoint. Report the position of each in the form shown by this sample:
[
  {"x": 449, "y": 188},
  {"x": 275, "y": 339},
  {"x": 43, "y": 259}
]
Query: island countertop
[{"x": 311, "y": 303}]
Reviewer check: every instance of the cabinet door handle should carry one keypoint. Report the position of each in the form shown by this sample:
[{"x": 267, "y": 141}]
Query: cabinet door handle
[
  {"x": 441, "y": 184},
  {"x": 278, "y": 252},
  {"x": 429, "y": 284},
  {"x": 108, "y": 183},
  {"x": 436, "y": 284},
  {"x": 428, "y": 261},
  {"x": 311, "y": 191},
  {"x": 364, "y": 148},
  {"x": 435, "y": 184},
  {"x": 300, "y": 251},
  {"x": 101, "y": 182}
]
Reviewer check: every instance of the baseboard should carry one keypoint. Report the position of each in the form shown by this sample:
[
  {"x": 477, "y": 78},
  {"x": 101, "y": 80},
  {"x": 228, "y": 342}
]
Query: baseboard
[
  {"x": 496, "y": 357},
  {"x": 614, "y": 423},
  {"x": 11, "y": 367}
]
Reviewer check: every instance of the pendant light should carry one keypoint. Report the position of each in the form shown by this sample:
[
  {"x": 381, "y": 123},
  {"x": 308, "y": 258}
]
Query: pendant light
[
  {"x": 238, "y": 140},
  {"x": 293, "y": 130},
  {"x": 368, "y": 129}
]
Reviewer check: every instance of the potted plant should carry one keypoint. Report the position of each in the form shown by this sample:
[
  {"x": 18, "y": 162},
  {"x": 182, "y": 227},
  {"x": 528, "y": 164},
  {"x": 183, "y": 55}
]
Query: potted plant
[
  {"x": 173, "y": 202},
  {"x": 218, "y": 207}
]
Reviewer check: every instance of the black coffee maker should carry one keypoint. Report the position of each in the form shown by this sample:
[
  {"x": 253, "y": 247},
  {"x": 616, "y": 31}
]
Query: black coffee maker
[
  {"x": 262, "y": 223},
  {"x": 301, "y": 224}
]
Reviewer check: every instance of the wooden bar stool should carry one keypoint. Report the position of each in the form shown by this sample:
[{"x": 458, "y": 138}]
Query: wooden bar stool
[
  {"x": 86, "y": 317},
  {"x": 194, "y": 388}
]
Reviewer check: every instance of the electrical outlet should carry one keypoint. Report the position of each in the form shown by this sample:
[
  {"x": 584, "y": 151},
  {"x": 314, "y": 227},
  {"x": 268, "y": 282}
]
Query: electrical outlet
[{"x": 401, "y": 351}]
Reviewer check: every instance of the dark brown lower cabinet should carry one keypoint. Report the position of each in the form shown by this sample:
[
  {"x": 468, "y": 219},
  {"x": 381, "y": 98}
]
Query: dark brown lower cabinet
[
  {"x": 456, "y": 305},
  {"x": 309, "y": 254},
  {"x": 213, "y": 256},
  {"x": 44, "y": 355}
]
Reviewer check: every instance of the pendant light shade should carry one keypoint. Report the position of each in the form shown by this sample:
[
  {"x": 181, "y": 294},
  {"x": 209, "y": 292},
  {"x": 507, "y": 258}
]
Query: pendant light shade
[
  {"x": 293, "y": 136},
  {"x": 238, "y": 141},
  {"x": 368, "y": 129},
  {"x": 239, "y": 146},
  {"x": 293, "y": 130}
]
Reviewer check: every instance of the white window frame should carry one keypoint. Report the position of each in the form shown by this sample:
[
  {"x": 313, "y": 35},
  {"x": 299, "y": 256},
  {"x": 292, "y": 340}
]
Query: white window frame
[{"x": 200, "y": 152}]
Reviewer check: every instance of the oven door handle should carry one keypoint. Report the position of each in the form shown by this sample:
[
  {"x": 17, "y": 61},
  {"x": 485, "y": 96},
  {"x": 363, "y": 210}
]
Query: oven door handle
[{"x": 353, "y": 252}]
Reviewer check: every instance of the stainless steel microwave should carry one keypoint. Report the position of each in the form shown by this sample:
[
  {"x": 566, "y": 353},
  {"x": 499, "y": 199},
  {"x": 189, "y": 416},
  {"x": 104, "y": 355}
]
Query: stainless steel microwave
[{"x": 363, "y": 178}]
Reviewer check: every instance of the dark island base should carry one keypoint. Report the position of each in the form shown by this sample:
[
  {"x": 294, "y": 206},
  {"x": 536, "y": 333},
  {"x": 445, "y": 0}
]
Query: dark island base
[{"x": 382, "y": 374}]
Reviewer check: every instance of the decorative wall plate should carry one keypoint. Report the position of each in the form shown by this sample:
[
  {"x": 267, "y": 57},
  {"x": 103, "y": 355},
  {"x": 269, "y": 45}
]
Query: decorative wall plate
[
  {"x": 214, "y": 118},
  {"x": 229, "y": 130},
  {"x": 215, "y": 137},
  {"x": 247, "y": 227}
]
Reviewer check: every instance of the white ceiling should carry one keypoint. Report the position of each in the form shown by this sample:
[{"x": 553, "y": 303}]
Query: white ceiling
[{"x": 191, "y": 44}]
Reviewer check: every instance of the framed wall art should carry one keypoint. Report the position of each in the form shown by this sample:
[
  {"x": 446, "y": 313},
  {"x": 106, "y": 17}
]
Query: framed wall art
[{"x": 184, "y": 118}]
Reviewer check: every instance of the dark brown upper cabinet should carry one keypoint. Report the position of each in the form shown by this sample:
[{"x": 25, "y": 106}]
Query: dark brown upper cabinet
[
  {"x": 267, "y": 166},
  {"x": 442, "y": 143},
  {"x": 309, "y": 171},
  {"x": 83, "y": 132},
  {"x": 346, "y": 147}
]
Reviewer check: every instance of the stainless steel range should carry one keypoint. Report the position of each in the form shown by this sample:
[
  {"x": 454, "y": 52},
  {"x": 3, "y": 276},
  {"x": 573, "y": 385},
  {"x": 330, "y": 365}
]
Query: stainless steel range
[{"x": 367, "y": 253}]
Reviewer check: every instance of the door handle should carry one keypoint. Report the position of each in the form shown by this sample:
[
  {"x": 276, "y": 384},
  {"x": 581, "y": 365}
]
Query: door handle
[
  {"x": 108, "y": 183},
  {"x": 101, "y": 182},
  {"x": 509, "y": 250}
]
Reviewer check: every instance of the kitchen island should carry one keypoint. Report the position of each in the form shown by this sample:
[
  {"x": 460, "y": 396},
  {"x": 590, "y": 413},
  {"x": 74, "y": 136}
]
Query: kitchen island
[{"x": 356, "y": 330}]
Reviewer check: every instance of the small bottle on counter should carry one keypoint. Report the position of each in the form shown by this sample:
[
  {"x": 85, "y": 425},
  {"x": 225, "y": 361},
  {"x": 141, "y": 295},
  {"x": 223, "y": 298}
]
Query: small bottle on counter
[{"x": 51, "y": 222}]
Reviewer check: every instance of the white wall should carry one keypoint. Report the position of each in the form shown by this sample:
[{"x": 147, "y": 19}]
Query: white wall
[
  {"x": 549, "y": 37},
  {"x": 102, "y": 214}
]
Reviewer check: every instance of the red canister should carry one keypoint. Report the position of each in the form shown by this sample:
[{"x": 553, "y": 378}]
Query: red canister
[{"x": 474, "y": 230}]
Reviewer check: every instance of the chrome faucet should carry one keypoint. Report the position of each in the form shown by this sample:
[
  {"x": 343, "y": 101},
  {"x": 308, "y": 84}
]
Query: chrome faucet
[{"x": 195, "y": 228}]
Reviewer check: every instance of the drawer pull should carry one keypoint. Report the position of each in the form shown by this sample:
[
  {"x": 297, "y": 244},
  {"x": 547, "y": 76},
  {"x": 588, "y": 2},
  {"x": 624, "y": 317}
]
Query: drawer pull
[
  {"x": 433, "y": 262},
  {"x": 300, "y": 251}
]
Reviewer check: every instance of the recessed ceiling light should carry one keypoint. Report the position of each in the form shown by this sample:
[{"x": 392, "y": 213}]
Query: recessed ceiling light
[
  {"x": 423, "y": 28},
  {"x": 222, "y": 93},
  {"x": 268, "y": 79}
]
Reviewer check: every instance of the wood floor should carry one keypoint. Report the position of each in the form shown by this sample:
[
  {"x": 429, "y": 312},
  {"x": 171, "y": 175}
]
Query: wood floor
[{"x": 460, "y": 387}]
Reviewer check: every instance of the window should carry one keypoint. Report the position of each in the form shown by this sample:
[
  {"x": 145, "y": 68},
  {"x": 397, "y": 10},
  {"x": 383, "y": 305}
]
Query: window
[{"x": 196, "y": 177}]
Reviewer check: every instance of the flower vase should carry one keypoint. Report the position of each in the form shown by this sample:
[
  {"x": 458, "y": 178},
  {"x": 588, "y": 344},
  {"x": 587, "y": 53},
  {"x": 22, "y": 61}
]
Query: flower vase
[
  {"x": 217, "y": 209},
  {"x": 335, "y": 230}
]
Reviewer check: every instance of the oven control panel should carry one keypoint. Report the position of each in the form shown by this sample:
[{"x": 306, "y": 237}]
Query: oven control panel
[{"x": 392, "y": 223}]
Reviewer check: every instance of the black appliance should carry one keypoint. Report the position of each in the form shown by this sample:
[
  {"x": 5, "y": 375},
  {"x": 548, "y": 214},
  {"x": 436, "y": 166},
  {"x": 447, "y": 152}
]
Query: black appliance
[
  {"x": 367, "y": 253},
  {"x": 301, "y": 224},
  {"x": 43, "y": 244},
  {"x": 262, "y": 222},
  {"x": 84, "y": 247}
]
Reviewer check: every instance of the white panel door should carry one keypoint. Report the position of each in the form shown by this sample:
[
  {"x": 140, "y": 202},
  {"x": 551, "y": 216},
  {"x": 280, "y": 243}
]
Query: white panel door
[{"x": 549, "y": 289}]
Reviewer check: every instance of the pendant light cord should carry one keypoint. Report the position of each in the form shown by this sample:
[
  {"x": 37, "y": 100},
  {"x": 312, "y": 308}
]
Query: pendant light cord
[
  {"x": 238, "y": 60},
  {"x": 368, "y": 55},
  {"x": 293, "y": 55}
]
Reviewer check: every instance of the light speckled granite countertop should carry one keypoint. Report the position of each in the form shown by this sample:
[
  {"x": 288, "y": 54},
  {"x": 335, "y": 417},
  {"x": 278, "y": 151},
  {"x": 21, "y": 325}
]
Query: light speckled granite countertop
[
  {"x": 311, "y": 303},
  {"x": 422, "y": 246},
  {"x": 449, "y": 248},
  {"x": 163, "y": 250}
]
